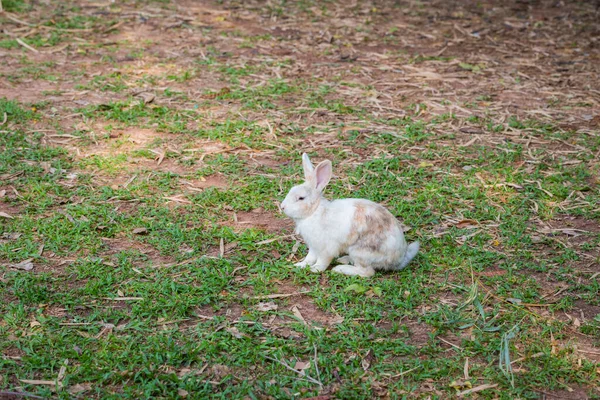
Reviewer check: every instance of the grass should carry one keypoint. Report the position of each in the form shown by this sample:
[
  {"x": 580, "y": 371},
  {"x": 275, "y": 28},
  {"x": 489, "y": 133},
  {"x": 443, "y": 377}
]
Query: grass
[
  {"x": 152, "y": 354},
  {"x": 144, "y": 285}
]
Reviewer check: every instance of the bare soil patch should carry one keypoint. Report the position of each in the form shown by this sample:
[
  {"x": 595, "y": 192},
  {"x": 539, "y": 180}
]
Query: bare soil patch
[
  {"x": 10, "y": 209},
  {"x": 232, "y": 311},
  {"x": 216, "y": 181},
  {"x": 170, "y": 165},
  {"x": 492, "y": 271},
  {"x": 575, "y": 223},
  {"x": 575, "y": 393},
  {"x": 586, "y": 346},
  {"x": 10, "y": 203},
  {"x": 585, "y": 311},
  {"x": 260, "y": 219},
  {"x": 13, "y": 352},
  {"x": 117, "y": 245},
  {"x": 419, "y": 333},
  {"x": 575, "y": 232},
  {"x": 125, "y": 141},
  {"x": 311, "y": 313},
  {"x": 267, "y": 161}
]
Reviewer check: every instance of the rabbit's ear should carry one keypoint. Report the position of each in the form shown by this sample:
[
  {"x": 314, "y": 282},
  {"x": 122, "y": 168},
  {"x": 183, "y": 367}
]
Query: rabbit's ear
[
  {"x": 323, "y": 174},
  {"x": 309, "y": 170}
]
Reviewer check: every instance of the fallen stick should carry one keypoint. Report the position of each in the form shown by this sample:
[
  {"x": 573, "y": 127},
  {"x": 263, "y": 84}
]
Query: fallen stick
[
  {"x": 279, "y": 295},
  {"x": 476, "y": 389},
  {"x": 308, "y": 378},
  {"x": 122, "y": 298},
  {"x": 28, "y": 47},
  {"x": 19, "y": 394}
]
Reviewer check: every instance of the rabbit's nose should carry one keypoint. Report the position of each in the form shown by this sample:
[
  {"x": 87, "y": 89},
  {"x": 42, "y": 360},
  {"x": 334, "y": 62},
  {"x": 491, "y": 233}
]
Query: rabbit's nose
[{"x": 282, "y": 206}]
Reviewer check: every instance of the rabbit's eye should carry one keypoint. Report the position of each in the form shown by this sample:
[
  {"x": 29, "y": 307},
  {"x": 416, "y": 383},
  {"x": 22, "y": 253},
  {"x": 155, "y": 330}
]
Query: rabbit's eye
[{"x": 301, "y": 198}]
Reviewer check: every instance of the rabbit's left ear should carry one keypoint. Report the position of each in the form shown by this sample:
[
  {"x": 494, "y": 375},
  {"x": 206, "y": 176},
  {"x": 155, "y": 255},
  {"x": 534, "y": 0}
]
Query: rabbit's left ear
[
  {"x": 309, "y": 170},
  {"x": 323, "y": 174}
]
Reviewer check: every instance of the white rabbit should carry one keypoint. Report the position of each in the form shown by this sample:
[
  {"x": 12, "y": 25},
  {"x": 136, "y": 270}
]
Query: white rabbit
[{"x": 368, "y": 233}]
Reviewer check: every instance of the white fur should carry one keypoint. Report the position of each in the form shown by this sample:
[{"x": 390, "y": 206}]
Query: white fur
[{"x": 330, "y": 230}]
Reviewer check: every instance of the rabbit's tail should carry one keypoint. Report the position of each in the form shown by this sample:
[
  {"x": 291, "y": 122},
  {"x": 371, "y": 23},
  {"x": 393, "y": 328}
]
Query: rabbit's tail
[{"x": 411, "y": 252}]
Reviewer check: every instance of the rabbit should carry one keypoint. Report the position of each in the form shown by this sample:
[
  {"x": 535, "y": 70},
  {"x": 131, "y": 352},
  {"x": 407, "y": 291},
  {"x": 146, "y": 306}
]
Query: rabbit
[{"x": 365, "y": 232}]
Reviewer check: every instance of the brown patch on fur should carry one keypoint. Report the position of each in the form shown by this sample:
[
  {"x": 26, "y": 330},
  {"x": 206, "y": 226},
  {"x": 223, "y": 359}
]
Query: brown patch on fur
[
  {"x": 380, "y": 219},
  {"x": 370, "y": 227},
  {"x": 312, "y": 207},
  {"x": 375, "y": 228},
  {"x": 359, "y": 220}
]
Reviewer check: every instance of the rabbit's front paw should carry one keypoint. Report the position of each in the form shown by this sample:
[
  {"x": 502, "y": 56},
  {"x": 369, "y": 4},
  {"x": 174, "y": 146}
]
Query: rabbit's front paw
[
  {"x": 318, "y": 268},
  {"x": 301, "y": 264}
]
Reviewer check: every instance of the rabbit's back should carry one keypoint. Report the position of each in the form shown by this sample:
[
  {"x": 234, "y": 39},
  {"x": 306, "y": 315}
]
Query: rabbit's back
[{"x": 376, "y": 237}]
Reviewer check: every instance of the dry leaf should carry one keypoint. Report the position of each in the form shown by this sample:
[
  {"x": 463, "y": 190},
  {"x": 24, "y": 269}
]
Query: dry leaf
[
  {"x": 146, "y": 97},
  {"x": 80, "y": 388},
  {"x": 467, "y": 224},
  {"x": 37, "y": 382},
  {"x": 236, "y": 332},
  {"x": 298, "y": 315},
  {"x": 192, "y": 372},
  {"x": 472, "y": 131},
  {"x": 338, "y": 319},
  {"x": 268, "y": 306},
  {"x": 301, "y": 366},
  {"x": 220, "y": 370},
  {"x": 25, "y": 265},
  {"x": 367, "y": 360},
  {"x": 121, "y": 327},
  {"x": 476, "y": 389},
  {"x": 427, "y": 75},
  {"x": 182, "y": 392},
  {"x": 178, "y": 199},
  {"x": 122, "y": 298},
  {"x": 5, "y": 215},
  {"x": 140, "y": 231},
  {"x": 279, "y": 295}
]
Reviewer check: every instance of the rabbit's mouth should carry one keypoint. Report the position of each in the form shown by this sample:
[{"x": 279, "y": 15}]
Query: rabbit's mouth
[
  {"x": 291, "y": 212},
  {"x": 288, "y": 212}
]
